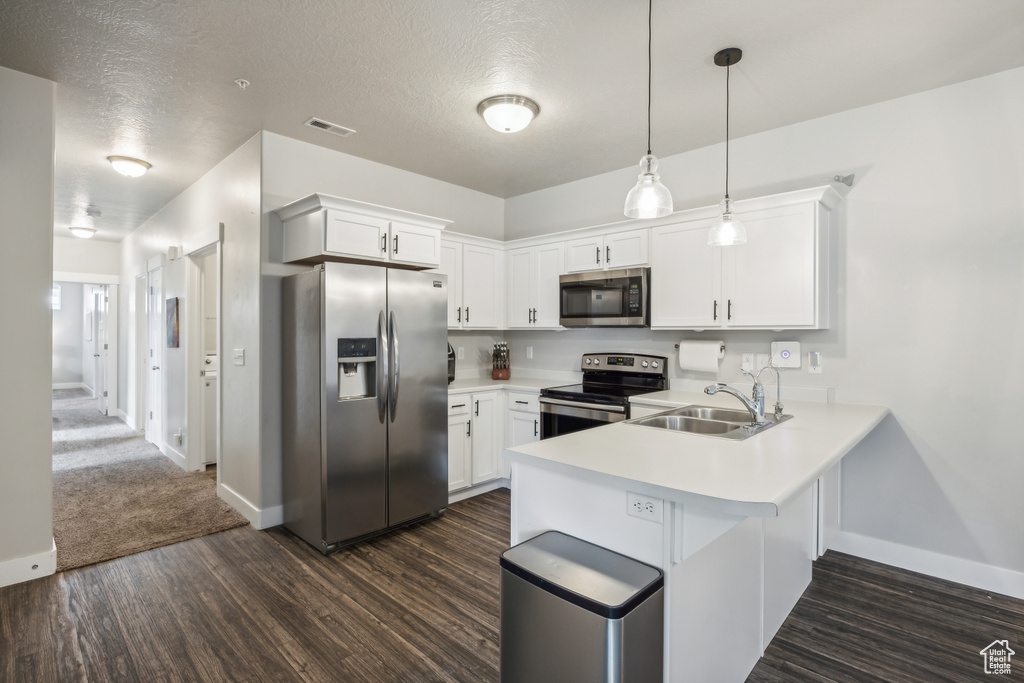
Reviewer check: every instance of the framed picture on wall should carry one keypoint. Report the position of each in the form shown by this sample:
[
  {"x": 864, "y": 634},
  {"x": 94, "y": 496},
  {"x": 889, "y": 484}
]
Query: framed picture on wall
[{"x": 172, "y": 323}]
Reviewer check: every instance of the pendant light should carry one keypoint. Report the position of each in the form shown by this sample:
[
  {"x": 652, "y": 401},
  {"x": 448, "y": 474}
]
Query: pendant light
[
  {"x": 648, "y": 198},
  {"x": 727, "y": 230}
]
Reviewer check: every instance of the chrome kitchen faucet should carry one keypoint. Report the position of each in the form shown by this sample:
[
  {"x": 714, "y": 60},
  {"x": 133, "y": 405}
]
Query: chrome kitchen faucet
[{"x": 754, "y": 404}]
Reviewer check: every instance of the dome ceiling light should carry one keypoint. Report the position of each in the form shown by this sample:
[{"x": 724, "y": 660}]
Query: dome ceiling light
[
  {"x": 84, "y": 233},
  {"x": 129, "y": 166},
  {"x": 508, "y": 113}
]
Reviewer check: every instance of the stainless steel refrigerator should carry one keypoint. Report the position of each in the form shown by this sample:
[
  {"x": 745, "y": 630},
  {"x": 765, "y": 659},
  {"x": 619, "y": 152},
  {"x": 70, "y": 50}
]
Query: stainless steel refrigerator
[{"x": 364, "y": 393}]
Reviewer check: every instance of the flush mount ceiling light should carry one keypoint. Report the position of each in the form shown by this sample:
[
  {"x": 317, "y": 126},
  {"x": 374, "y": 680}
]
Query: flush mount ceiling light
[
  {"x": 84, "y": 233},
  {"x": 648, "y": 198},
  {"x": 727, "y": 230},
  {"x": 129, "y": 166},
  {"x": 508, "y": 113}
]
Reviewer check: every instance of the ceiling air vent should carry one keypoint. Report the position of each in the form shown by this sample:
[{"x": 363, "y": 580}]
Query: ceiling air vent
[{"x": 329, "y": 127}]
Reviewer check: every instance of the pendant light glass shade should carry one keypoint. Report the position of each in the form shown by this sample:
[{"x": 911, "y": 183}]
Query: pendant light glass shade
[
  {"x": 648, "y": 198},
  {"x": 727, "y": 230}
]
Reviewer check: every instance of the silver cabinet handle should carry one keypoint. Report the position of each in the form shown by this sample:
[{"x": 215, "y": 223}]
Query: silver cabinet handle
[
  {"x": 469, "y": 428},
  {"x": 382, "y": 367},
  {"x": 715, "y": 310},
  {"x": 396, "y": 245},
  {"x": 524, "y": 403},
  {"x": 535, "y": 425},
  {"x": 393, "y": 389},
  {"x": 467, "y": 314},
  {"x": 477, "y": 409},
  {"x": 459, "y": 405},
  {"x": 598, "y": 255},
  {"x": 729, "y": 316},
  {"x": 384, "y": 243},
  {"x": 607, "y": 255},
  {"x": 458, "y": 314}
]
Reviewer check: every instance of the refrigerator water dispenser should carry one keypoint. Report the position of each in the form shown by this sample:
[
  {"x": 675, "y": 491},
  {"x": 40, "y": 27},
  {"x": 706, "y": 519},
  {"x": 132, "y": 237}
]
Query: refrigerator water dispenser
[{"x": 357, "y": 368}]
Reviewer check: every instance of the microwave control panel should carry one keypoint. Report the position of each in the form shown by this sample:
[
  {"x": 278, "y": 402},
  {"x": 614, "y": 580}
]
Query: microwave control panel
[{"x": 634, "y": 298}]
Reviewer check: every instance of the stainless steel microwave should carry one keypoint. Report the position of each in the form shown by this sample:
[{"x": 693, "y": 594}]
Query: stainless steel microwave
[{"x": 605, "y": 298}]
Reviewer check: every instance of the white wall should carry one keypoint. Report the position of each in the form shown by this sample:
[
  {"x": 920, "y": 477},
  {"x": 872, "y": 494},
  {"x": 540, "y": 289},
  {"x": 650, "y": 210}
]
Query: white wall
[
  {"x": 930, "y": 302},
  {"x": 86, "y": 256},
  {"x": 26, "y": 254},
  {"x": 228, "y": 194},
  {"x": 66, "y": 363}
]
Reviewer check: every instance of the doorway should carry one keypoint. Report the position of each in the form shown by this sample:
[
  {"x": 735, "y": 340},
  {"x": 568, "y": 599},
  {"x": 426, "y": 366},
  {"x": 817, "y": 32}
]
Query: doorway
[
  {"x": 154, "y": 356},
  {"x": 203, "y": 330}
]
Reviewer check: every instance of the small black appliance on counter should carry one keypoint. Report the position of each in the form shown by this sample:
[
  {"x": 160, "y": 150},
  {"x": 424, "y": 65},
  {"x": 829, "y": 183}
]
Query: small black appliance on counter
[{"x": 451, "y": 363}]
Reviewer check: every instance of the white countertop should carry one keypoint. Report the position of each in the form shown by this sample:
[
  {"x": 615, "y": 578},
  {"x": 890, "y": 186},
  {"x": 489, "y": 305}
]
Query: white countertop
[
  {"x": 751, "y": 477},
  {"x": 462, "y": 386}
]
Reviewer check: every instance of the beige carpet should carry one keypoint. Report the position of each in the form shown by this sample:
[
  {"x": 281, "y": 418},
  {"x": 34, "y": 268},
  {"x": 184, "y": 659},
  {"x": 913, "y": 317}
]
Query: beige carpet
[{"x": 115, "y": 494}]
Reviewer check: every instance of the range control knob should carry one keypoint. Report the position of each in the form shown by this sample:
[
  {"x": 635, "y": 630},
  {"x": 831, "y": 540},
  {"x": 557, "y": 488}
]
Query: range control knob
[
  {"x": 644, "y": 364},
  {"x": 654, "y": 364},
  {"x": 588, "y": 361},
  {"x": 597, "y": 361}
]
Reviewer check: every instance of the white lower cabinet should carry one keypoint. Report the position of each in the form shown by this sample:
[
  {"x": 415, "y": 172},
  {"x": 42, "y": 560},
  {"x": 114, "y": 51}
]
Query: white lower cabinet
[
  {"x": 523, "y": 424},
  {"x": 474, "y": 439}
]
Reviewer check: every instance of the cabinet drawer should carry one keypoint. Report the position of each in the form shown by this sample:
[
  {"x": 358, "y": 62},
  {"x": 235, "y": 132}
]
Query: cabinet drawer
[
  {"x": 459, "y": 404},
  {"x": 528, "y": 403}
]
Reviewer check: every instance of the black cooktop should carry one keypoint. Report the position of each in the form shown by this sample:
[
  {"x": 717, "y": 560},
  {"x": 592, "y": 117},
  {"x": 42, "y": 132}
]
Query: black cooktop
[{"x": 597, "y": 393}]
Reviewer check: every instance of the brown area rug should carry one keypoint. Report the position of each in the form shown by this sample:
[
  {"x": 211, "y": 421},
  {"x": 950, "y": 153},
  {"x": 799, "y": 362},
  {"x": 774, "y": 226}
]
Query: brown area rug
[{"x": 115, "y": 494}]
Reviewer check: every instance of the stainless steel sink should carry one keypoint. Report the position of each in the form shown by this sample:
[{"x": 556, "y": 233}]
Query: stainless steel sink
[{"x": 718, "y": 422}]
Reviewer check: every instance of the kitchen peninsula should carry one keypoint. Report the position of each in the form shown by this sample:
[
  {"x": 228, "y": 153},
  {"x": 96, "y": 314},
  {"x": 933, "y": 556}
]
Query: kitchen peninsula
[{"x": 735, "y": 525}]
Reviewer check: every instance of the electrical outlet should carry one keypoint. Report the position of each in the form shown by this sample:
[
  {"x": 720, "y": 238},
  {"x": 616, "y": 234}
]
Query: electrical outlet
[
  {"x": 529, "y": 353},
  {"x": 747, "y": 364},
  {"x": 461, "y": 353},
  {"x": 645, "y": 507},
  {"x": 814, "y": 362}
]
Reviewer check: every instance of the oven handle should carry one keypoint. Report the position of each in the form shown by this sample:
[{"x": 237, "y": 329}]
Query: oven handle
[{"x": 598, "y": 413}]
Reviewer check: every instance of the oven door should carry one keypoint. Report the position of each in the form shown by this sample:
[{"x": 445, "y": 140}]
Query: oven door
[{"x": 559, "y": 416}]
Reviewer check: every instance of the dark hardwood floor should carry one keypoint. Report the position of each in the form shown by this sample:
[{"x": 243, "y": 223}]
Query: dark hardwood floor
[{"x": 421, "y": 604}]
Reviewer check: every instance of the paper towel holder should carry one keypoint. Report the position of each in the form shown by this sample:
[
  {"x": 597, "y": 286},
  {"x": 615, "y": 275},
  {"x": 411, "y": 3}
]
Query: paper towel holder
[{"x": 721, "y": 348}]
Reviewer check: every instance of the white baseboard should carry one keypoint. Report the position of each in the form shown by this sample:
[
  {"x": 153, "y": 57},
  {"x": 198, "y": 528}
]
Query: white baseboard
[
  {"x": 176, "y": 456},
  {"x": 27, "y": 568},
  {"x": 261, "y": 519},
  {"x": 123, "y": 417},
  {"x": 968, "y": 572},
  {"x": 463, "y": 494},
  {"x": 69, "y": 385}
]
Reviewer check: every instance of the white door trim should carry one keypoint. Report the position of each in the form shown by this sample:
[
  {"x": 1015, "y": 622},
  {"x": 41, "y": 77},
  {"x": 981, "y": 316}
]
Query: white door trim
[{"x": 195, "y": 455}]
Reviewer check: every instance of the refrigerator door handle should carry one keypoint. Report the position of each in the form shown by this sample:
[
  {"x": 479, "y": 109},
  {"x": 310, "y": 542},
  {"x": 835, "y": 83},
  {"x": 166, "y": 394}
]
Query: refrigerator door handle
[
  {"x": 382, "y": 365},
  {"x": 393, "y": 364}
]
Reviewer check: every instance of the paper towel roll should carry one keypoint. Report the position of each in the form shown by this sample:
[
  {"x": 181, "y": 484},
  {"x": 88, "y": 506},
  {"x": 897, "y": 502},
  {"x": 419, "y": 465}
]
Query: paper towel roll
[{"x": 700, "y": 355}]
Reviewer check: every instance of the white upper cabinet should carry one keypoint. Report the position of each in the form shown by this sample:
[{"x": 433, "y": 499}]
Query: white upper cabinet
[
  {"x": 322, "y": 228},
  {"x": 533, "y": 285},
  {"x": 475, "y": 284},
  {"x": 778, "y": 280},
  {"x": 603, "y": 252}
]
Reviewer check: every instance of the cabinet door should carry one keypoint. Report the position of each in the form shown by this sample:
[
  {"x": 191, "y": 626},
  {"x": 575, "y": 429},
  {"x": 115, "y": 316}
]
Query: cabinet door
[
  {"x": 486, "y": 430},
  {"x": 626, "y": 249},
  {"x": 523, "y": 427},
  {"x": 481, "y": 287},
  {"x": 520, "y": 287},
  {"x": 451, "y": 265},
  {"x": 583, "y": 254},
  {"x": 685, "y": 277},
  {"x": 549, "y": 261},
  {"x": 349, "y": 234},
  {"x": 415, "y": 245},
  {"x": 771, "y": 280},
  {"x": 459, "y": 452}
]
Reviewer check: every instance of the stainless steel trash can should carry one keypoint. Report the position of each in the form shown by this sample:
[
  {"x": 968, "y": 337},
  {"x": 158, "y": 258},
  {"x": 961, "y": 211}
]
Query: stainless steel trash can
[{"x": 574, "y": 611}]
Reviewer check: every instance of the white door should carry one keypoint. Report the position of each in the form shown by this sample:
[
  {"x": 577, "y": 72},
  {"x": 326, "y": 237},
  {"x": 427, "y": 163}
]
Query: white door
[
  {"x": 154, "y": 357},
  {"x": 686, "y": 278},
  {"x": 626, "y": 249},
  {"x": 458, "y": 451},
  {"x": 520, "y": 287},
  {"x": 99, "y": 327},
  {"x": 584, "y": 254},
  {"x": 451, "y": 265},
  {"x": 208, "y": 289},
  {"x": 415, "y": 245},
  {"x": 486, "y": 451}
]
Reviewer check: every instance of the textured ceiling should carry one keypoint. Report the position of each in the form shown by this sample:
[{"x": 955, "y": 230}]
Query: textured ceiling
[{"x": 154, "y": 79}]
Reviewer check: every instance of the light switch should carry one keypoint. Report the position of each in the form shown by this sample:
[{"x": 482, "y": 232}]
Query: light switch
[
  {"x": 238, "y": 356},
  {"x": 786, "y": 354}
]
